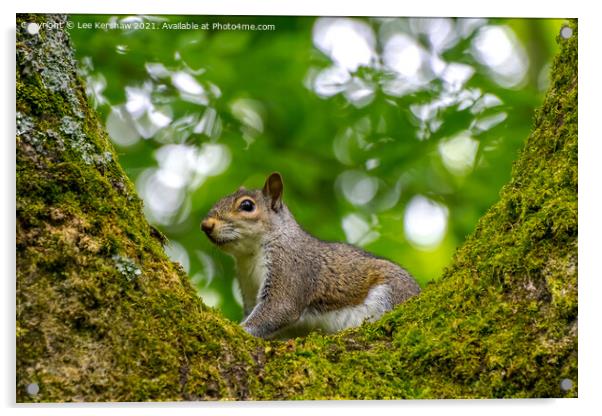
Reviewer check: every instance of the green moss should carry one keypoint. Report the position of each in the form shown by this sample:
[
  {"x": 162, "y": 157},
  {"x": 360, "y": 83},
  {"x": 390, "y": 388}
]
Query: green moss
[
  {"x": 102, "y": 314},
  {"x": 500, "y": 323}
]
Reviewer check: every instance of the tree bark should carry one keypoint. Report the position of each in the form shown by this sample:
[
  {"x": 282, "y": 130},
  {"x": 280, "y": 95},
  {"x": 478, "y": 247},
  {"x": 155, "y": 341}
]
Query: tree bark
[{"x": 104, "y": 315}]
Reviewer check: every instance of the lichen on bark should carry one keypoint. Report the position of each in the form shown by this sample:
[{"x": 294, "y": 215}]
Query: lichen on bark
[{"x": 103, "y": 315}]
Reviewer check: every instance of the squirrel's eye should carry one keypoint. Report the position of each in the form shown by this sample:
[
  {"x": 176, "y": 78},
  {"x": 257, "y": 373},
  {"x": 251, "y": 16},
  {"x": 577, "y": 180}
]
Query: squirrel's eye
[{"x": 247, "y": 205}]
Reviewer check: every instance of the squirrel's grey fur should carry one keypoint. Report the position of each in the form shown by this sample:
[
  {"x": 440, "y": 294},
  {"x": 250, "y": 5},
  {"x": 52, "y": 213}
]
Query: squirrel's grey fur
[{"x": 292, "y": 282}]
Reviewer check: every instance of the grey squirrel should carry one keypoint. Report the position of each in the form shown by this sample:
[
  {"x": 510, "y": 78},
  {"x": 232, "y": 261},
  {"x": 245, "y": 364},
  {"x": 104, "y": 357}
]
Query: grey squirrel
[{"x": 291, "y": 282}]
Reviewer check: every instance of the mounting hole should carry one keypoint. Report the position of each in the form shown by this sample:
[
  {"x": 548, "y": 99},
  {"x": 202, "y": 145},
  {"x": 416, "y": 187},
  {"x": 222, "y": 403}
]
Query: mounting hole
[
  {"x": 33, "y": 28},
  {"x": 566, "y": 32},
  {"x": 566, "y": 384},
  {"x": 33, "y": 389}
]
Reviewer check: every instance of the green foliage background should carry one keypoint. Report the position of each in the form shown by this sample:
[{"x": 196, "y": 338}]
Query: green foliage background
[{"x": 313, "y": 141}]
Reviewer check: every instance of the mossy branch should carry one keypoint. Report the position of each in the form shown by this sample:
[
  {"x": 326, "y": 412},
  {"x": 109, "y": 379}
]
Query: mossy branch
[{"x": 103, "y": 315}]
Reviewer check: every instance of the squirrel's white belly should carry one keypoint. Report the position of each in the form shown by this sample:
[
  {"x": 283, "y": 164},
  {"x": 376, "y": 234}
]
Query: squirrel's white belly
[
  {"x": 252, "y": 272},
  {"x": 377, "y": 302}
]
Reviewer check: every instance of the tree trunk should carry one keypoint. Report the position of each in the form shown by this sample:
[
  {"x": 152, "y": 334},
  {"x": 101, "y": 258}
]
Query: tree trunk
[{"x": 104, "y": 315}]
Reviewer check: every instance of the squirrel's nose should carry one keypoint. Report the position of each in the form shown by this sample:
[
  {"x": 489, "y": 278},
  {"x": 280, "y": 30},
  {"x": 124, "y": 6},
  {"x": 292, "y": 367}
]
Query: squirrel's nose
[{"x": 208, "y": 225}]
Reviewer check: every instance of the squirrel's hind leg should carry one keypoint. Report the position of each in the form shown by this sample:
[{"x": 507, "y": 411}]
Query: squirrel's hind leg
[{"x": 377, "y": 302}]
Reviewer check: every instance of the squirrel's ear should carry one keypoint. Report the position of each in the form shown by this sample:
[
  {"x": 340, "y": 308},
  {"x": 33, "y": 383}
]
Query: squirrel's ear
[{"x": 273, "y": 189}]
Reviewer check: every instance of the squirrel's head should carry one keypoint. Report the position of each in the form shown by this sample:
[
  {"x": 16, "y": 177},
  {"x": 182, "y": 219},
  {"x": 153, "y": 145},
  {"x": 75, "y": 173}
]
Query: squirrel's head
[{"x": 237, "y": 222}]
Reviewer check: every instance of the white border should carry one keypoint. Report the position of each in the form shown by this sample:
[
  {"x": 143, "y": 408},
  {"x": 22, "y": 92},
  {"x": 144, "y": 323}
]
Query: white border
[
  {"x": 590, "y": 277},
  {"x": 464, "y": 8}
]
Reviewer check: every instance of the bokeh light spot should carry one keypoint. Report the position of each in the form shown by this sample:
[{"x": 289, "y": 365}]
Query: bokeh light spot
[{"x": 425, "y": 222}]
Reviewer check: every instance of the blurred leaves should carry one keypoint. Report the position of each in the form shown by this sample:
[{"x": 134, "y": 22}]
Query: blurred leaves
[{"x": 364, "y": 118}]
